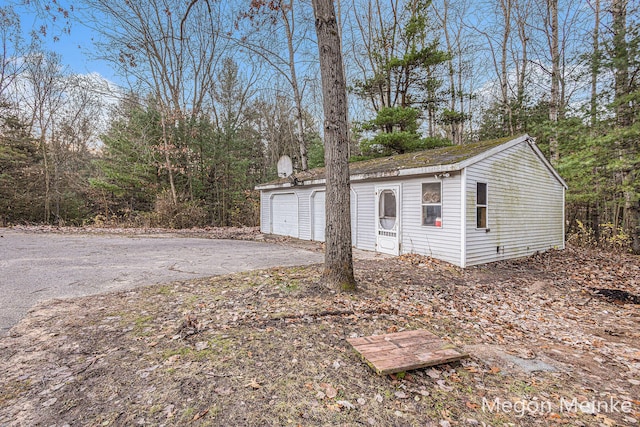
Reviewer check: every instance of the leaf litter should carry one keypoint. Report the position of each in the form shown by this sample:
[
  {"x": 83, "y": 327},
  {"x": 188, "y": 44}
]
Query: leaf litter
[{"x": 269, "y": 347}]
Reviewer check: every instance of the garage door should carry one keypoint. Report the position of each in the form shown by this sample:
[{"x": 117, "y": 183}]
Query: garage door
[
  {"x": 318, "y": 215},
  {"x": 284, "y": 215}
]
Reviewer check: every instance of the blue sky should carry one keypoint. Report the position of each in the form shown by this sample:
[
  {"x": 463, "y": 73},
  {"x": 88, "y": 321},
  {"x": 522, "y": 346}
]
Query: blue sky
[{"x": 76, "y": 48}]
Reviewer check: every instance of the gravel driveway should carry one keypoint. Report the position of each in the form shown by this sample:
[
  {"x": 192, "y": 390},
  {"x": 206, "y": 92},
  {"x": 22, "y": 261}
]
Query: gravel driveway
[{"x": 35, "y": 267}]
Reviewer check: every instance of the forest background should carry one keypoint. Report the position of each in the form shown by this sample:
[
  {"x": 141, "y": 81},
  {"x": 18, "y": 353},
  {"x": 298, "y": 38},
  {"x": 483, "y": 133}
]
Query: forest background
[{"x": 210, "y": 94}]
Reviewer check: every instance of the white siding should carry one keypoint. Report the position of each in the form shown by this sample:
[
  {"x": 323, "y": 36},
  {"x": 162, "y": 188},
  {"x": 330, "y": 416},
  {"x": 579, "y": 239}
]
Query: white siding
[
  {"x": 318, "y": 216},
  {"x": 304, "y": 209},
  {"x": 365, "y": 227},
  {"x": 265, "y": 207},
  {"x": 438, "y": 242},
  {"x": 525, "y": 207},
  {"x": 442, "y": 243}
]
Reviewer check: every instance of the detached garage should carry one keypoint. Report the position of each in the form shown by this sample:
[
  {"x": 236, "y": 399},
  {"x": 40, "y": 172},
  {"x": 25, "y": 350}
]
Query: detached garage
[{"x": 467, "y": 205}]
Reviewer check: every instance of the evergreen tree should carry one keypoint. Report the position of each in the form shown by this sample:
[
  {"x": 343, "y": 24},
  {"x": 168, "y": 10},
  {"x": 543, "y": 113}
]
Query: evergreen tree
[
  {"x": 20, "y": 173},
  {"x": 129, "y": 181}
]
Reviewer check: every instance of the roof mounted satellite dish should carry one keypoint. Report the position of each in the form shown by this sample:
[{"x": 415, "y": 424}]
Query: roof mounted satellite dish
[{"x": 285, "y": 166}]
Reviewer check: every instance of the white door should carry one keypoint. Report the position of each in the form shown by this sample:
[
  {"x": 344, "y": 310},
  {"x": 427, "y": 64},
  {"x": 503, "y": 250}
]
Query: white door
[
  {"x": 318, "y": 215},
  {"x": 388, "y": 219},
  {"x": 284, "y": 214}
]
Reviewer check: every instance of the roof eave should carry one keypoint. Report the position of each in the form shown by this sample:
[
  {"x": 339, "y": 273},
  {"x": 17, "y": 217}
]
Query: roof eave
[
  {"x": 367, "y": 176},
  {"x": 543, "y": 159},
  {"x": 273, "y": 186},
  {"x": 430, "y": 169}
]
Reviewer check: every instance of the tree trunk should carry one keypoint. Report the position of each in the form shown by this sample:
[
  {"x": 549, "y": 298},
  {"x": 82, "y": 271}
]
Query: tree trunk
[
  {"x": 521, "y": 67},
  {"x": 296, "y": 90},
  {"x": 595, "y": 66},
  {"x": 47, "y": 179},
  {"x": 624, "y": 119},
  {"x": 167, "y": 159},
  {"x": 554, "y": 102},
  {"x": 504, "y": 84},
  {"x": 620, "y": 60},
  {"x": 338, "y": 268},
  {"x": 456, "y": 136}
]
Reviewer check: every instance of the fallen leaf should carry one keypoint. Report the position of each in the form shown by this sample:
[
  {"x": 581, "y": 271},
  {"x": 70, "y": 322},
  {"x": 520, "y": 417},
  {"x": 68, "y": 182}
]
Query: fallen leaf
[
  {"x": 329, "y": 390},
  {"x": 606, "y": 420},
  {"x": 200, "y": 414},
  {"x": 254, "y": 384}
]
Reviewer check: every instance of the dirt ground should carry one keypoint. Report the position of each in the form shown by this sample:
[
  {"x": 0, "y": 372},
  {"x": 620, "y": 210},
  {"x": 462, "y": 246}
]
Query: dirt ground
[{"x": 553, "y": 339}]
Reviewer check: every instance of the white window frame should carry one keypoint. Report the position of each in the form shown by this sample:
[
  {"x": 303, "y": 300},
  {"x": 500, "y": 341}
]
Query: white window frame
[
  {"x": 485, "y": 206},
  {"x": 423, "y": 204}
]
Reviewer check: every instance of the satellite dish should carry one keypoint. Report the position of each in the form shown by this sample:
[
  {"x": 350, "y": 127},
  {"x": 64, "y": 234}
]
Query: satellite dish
[{"x": 285, "y": 166}]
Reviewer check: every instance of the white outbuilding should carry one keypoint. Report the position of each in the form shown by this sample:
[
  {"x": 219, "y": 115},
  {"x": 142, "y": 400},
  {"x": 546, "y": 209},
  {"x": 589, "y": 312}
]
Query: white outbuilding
[{"x": 467, "y": 204}]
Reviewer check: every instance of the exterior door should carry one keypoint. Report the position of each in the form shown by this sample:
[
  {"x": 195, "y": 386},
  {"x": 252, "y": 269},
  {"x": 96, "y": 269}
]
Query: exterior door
[
  {"x": 284, "y": 214},
  {"x": 388, "y": 219}
]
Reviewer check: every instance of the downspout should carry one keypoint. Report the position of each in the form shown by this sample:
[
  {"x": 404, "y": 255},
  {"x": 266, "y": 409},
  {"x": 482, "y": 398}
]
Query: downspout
[{"x": 463, "y": 218}]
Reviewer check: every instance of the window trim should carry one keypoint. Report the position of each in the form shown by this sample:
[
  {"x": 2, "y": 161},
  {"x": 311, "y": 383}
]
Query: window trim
[
  {"x": 423, "y": 204},
  {"x": 485, "y": 206}
]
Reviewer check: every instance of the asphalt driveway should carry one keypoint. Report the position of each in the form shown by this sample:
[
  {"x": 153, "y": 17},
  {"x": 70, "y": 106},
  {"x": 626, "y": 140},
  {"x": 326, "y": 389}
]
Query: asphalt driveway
[{"x": 35, "y": 267}]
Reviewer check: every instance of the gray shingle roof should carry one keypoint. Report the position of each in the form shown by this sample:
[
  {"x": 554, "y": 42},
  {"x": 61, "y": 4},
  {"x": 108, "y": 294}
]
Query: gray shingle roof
[{"x": 445, "y": 158}]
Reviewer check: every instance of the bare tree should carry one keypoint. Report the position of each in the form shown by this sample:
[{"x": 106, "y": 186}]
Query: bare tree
[
  {"x": 171, "y": 53},
  {"x": 451, "y": 20},
  {"x": 281, "y": 15},
  {"x": 554, "y": 100},
  {"x": 43, "y": 95},
  {"x": 522, "y": 16},
  {"x": 595, "y": 65},
  {"x": 10, "y": 50},
  {"x": 498, "y": 50}
]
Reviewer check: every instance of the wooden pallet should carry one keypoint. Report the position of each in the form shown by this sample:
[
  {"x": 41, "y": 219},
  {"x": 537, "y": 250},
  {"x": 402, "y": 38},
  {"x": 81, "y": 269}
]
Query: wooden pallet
[{"x": 404, "y": 351}]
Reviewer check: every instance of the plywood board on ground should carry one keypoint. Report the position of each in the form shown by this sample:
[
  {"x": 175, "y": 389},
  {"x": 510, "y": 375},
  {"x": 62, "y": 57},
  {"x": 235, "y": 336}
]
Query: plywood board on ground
[{"x": 404, "y": 351}]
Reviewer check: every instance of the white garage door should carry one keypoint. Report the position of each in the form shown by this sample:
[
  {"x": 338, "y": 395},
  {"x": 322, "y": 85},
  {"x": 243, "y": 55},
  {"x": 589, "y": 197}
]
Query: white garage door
[
  {"x": 284, "y": 215},
  {"x": 318, "y": 215}
]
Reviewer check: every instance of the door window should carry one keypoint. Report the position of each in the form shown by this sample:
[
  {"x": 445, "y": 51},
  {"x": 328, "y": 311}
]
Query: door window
[{"x": 387, "y": 209}]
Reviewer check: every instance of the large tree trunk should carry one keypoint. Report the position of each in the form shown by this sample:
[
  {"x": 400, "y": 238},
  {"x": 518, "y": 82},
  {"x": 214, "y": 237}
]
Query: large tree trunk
[{"x": 338, "y": 269}]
